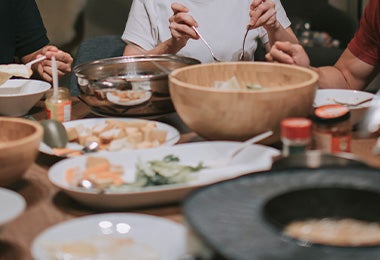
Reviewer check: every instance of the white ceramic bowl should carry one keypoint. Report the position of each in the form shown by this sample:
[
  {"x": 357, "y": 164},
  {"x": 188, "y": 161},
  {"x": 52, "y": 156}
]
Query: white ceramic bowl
[
  {"x": 12, "y": 205},
  {"x": 18, "y": 96},
  {"x": 334, "y": 96}
]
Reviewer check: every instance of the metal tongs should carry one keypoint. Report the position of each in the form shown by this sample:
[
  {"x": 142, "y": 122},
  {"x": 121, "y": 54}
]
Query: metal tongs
[{"x": 371, "y": 121}]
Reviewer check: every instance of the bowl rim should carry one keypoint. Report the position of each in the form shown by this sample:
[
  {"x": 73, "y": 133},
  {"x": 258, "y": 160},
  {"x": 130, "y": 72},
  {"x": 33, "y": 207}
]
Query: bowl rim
[
  {"x": 134, "y": 58},
  {"x": 314, "y": 77},
  {"x": 45, "y": 86},
  {"x": 38, "y": 133}
]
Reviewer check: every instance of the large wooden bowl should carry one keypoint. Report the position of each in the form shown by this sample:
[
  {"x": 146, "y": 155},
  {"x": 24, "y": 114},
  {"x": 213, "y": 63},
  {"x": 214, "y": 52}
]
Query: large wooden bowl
[
  {"x": 19, "y": 142},
  {"x": 213, "y": 113}
]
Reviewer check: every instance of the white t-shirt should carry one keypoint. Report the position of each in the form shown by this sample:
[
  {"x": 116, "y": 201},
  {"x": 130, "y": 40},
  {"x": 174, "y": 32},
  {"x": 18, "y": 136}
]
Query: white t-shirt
[{"x": 221, "y": 22}]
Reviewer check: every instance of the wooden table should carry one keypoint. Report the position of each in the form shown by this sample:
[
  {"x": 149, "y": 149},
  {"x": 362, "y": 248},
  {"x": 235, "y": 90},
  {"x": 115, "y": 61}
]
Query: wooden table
[{"x": 47, "y": 205}]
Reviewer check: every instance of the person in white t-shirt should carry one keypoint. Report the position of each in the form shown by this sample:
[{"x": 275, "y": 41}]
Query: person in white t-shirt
[{"x": 165, "y": 27}]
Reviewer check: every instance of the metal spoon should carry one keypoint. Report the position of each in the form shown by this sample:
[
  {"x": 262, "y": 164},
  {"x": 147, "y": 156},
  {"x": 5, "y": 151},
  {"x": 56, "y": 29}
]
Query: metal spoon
[
  {"x": 208, "y": 46},
  {"x": 243, "y": 51},
  {"x": 90, "y": 147},
  {"x": 89, "y": 185}
]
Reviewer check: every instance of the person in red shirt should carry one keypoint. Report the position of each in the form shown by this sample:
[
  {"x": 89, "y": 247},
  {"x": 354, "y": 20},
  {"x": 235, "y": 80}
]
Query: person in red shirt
[{"x": 358, "y": 64}]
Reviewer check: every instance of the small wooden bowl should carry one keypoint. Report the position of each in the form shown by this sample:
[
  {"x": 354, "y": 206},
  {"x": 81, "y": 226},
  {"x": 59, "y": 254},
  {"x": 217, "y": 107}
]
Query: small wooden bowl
[
  {"x": 213, "y": 113},
  {"x": 19, "y": 142}
]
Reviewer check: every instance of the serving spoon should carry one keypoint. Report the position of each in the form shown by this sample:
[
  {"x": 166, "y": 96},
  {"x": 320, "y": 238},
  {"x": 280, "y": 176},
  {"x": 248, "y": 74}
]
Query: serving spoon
[{"x": 225, "y": 160}]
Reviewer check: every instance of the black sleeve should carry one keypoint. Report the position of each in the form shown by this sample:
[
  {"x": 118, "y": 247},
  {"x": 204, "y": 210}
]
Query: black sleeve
[{"x": 30, "y": 32}]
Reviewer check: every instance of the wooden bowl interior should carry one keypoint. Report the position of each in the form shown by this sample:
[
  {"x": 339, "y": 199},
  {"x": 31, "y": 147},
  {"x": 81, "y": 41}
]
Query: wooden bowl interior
[
  {"x": 264, "y": 74},
  {"x": 15, "y": 130}
]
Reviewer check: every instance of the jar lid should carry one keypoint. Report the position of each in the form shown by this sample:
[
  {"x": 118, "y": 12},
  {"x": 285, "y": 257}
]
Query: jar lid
[
  {"x": 329, "y": 114},
  {"x": 296, "y": 128}
]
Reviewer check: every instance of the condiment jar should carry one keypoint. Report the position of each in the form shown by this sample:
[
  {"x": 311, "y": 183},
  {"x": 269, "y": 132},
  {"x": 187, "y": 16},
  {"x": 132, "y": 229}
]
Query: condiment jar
[
  {"x": 58, "y": 107},
  {"x": 332, "y": 128},
  {"x": 295, "y": 135}
]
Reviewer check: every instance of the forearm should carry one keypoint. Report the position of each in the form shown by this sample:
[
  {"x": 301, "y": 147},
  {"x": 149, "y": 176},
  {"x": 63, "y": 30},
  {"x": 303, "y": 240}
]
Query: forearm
[
  {"x": 166, "y": 47},
  {"x": 331, "y": 77},
  {"x": 349, "y": 72},
  {"x": 279, "y": 33}
]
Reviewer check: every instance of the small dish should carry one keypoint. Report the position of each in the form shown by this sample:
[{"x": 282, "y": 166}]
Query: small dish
[
  {"x": 18, "y": 96},
  {"x": 337, "y": 96},
  {"x": 112, "y": 236},
  {"x": 252, "y": 159},
  {"x": 12, "y": 205}
]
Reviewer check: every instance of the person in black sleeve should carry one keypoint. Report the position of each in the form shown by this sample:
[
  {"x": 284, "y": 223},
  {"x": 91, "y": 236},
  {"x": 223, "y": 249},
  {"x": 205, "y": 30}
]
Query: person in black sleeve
[{"x": 23, "y": 38}]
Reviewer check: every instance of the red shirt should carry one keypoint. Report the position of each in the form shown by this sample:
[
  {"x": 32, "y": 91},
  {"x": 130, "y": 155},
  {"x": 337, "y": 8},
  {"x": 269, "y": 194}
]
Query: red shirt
[{"x": 366, "y": 43}]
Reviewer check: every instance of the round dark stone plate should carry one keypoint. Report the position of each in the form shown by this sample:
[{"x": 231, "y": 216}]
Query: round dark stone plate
[{"x": 242, "y": 218}]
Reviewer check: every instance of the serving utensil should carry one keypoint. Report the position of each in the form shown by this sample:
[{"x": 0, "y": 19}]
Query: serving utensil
[
  {"x": 30, "y": 63},
  {"x": 352, "y": 103},
  {"x": 225, "y": 160},
  {"x": 206, "y": 43},
  {"x": 243, "y": 51}
]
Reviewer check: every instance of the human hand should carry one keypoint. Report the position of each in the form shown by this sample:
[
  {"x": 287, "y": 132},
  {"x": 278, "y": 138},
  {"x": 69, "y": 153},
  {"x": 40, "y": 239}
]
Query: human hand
[
  {"x": 286, "y": 52},
  {"x": 181, "y": 23},
  {"x": 44, "y": 68},
  {"x": 263, "y": 13}
]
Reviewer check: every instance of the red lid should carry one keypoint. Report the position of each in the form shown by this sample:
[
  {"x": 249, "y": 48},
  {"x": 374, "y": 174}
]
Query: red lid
[
  {"x": 332, "y": 113},
  {"x": 296, "y": 128}
]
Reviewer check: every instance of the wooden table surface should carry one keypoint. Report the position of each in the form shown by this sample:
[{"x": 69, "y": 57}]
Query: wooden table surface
[{"x": 47, "y": 205}]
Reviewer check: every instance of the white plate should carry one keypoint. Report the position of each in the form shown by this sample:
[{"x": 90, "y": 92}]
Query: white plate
[
  {"x": 254, "y": 158},
  {"x": 332, "y": 96},
  {"x": 150, "y": 234},
  {"x": 171, "y": 138},
  {"x": 12, "y": 205}
]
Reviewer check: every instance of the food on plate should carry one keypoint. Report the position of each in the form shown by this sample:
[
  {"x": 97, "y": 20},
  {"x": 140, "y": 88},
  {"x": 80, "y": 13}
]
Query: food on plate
[
  {"x": 114, "y": 135},
  {"x": 128, "y": 95},
  {"x": 106, "y": 176},
  {"x": 103, "y": 247},
  {"x": 98, "y": 171},
  {"x": 165, "y": 171},
  {"x": 233, "y": 84},
  {"x": 335, "y": 232}
]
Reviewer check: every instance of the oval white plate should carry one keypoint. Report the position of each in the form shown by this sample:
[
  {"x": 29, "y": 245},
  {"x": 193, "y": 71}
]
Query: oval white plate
[
  {"x": 252, "y": 159},
  {"x": 150, "y": 234},
  {"x": 171, "y": 138},
  {"x": 12, "y": 205}
]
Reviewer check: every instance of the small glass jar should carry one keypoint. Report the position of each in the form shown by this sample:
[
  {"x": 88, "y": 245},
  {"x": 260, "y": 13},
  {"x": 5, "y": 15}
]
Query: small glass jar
[
  {"x": 332, "y": 128},
  {"x": 295, "y": 135},
  {"x": 58, "y": 107}
]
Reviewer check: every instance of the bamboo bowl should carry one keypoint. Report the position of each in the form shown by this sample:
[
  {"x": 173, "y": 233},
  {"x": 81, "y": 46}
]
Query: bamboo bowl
[
  {"x": 215, "y": 114},
  {"x": 19, "y": 142}
]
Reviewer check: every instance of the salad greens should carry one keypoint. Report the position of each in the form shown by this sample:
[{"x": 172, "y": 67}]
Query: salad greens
[{"x": 159, "y": 172}]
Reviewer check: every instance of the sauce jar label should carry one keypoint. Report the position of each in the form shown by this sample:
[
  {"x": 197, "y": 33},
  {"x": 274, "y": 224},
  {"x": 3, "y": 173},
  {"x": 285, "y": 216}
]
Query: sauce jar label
[
  {"x": 332, "y": 144},
  {"x": 59, "y": 111}
]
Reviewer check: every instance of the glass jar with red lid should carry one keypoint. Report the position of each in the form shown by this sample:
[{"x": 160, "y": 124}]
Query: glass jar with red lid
[
  {"x": 332, "y": 128},
  {"x": 295, "y": 135}
]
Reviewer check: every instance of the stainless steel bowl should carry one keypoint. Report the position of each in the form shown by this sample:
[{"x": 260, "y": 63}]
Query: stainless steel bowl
[{"x": 134, "y": 86}]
